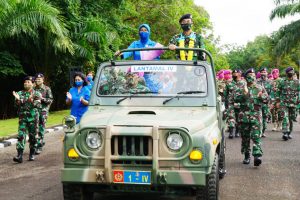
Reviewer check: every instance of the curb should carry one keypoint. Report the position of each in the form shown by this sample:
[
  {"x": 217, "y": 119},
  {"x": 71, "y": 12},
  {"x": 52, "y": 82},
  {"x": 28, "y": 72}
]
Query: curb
[{"x": 12, "y": 140}]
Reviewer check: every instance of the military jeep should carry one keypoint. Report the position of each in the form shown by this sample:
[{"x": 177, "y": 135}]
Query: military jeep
[{"x": 151, "y": 127}]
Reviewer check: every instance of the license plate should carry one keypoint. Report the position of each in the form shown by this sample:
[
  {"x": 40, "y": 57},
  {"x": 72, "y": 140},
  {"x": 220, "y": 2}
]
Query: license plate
[{"x": 132, "y": 177}]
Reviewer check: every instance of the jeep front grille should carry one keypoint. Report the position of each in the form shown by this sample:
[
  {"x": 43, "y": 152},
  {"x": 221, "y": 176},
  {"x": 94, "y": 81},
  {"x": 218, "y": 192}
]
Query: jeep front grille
[{"x": 131, "y": 149}]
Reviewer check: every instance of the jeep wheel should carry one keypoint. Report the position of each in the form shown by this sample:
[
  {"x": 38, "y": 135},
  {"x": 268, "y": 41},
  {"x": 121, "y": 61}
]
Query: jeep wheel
[
  {"x": 222, "y": 165},
  {"x": 211, "y": 190},
  {"x": 76, "y": 192}
]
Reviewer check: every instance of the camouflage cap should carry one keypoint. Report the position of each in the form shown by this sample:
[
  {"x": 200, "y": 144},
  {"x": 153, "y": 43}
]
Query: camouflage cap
[
  {"x": 287, "y": 70},
  {"x": 39, "y": 75},
  {"x": 250, "y": 70},
  {"x": 29, "y": 78},
  {"x": 186, "y": 16}
]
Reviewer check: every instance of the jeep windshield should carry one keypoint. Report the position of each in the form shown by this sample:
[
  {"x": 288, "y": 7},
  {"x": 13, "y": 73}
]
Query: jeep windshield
[{"x": 152, "y": 80}]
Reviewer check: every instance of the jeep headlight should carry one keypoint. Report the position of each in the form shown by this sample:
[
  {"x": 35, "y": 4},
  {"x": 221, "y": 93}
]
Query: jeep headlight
[
  {"x": 174, "y": 141},
  {"x": 93, "y": 139}
]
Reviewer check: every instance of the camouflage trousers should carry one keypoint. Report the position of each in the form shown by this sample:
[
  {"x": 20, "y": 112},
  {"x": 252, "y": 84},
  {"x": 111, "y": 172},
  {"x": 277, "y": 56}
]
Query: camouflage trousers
[
  {"x": 30, "y": 128},
  {"x": 266, "y": 114},
  {"x": 42, "y": 125},
  {"x": 289, "y": 115},
  {"x": 275, "y": 114},
  {"x": 250, "y": 127},
  {"x": 232, "y": 116}
]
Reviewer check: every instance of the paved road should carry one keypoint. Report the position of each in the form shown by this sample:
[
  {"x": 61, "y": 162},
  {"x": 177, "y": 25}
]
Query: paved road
[{"x": 278, "y": 178}]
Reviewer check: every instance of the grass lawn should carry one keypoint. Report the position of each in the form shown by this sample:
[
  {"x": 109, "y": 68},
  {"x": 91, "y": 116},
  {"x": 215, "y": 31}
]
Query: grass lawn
[{"x": 10, "y": 126}]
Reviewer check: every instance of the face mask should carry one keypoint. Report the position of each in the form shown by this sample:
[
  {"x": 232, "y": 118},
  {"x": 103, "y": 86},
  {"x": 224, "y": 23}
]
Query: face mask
[
  {"x": 250, "y": 79},
  {"x": 234, "y": 78},
  {"x": 186, "y": 27},
  {"x": 144, "y": 36},
  {"x": 263, "y": 76},
  {"x": 89, "y": 78},
  {"x": 78, "y": 83},
  {"x": 290, "y": 75},
  {"x": 39, "y": 82},
  {"x": 27, "y": 86}
]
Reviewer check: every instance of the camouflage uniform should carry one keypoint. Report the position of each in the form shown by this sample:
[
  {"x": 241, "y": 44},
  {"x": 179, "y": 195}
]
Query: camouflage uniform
[
  {"x": 46, "y": 102},
  {"x": 276, "y": 119},
  {"x": 221, "y": 88},
  {"x": 132, "y": 85},
  {"x": 288, "y": 95},
  {"x": 193, "y": 40},
  {"x": 233, "y": 107},
  {"x": 267, "y": 84},
  {"x": 250, "y": 119},
  {"x": 28, "y": 118},
  {"x": 114, "y": 81}
]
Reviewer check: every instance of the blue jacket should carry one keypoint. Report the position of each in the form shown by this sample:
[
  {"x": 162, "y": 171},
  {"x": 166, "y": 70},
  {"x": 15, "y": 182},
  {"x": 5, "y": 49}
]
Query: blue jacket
[
  {"x": 137, "y": 44},
  {"x": 77, "y": 108}
]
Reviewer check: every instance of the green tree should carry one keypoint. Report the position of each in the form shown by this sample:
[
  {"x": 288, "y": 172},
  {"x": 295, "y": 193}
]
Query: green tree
[
  {"x": 288, "y": 36},
  {"x": 33, "y": 24}
]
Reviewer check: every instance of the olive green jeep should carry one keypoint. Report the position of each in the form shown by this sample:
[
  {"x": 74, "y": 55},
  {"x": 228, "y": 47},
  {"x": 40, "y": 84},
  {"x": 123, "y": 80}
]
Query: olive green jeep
[{"x": 151, "y": 127}]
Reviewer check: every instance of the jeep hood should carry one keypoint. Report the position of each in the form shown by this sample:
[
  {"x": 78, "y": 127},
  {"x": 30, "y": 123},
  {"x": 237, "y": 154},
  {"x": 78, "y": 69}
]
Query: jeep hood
[{"x": 192, "y": 118}]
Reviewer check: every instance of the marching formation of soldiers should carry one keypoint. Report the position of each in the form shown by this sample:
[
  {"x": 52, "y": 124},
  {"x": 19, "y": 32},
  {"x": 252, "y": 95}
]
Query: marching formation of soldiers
[
  {"x": 33, "y": 105},
  {"x": 252, "y": 102}
]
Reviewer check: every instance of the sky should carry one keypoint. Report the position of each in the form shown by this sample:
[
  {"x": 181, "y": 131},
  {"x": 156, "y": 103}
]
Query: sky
[{"x": 240, "y": 21}]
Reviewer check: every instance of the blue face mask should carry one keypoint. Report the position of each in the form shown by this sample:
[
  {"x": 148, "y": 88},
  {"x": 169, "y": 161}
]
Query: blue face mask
[
  {"x": 144, "y": 36},
  {"x": 78, "y": 83},
  {"x": 89, "y": 78}
]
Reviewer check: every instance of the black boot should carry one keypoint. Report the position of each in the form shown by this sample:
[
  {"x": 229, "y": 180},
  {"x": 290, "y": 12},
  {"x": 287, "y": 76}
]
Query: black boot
[
  {"x": 31, "y": 154},
  {"x": 289, "y": 135},
  {"x": 19, "y": 157},
  {"x": 39, "y": 149},
  {"x": 257, "y": 161},
  {"x": 230, "y": 132},
  {"x": 237, "y": 134},
  {"x": 285, "y": 136},
  {"x": 246, "y": 160}
]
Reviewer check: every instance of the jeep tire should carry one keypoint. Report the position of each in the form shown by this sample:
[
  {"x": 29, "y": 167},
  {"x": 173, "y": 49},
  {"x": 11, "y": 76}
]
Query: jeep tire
[
  {"x": 211, "y": 190},
  {"x": 222, "y": 165},
  {"x": 76, "y": 192}
]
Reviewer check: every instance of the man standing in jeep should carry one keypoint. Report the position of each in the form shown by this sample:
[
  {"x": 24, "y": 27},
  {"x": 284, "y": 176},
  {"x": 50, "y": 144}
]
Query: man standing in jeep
[{"x": 187, "y": 39}]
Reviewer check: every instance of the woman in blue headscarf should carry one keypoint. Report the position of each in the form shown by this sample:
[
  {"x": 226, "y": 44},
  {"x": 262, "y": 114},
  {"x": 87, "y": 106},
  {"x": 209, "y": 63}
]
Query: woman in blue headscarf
[
  {"x": 144, "y": 42},
  {"x": 151, "y": 80}
]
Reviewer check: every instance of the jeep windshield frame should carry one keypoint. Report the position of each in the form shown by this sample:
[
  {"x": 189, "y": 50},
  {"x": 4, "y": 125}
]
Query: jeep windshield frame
[{"x": 209, "y": 96}]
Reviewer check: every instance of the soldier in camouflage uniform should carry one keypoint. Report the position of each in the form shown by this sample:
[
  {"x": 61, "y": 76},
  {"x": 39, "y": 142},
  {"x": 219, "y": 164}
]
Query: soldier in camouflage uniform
[
  {"x": 28, "y": 102},
  {"x": 275, "y": 105},
  {"x": 114, "y": 80},
  {"x": 251, "y": 99},
  {"x": 132, "y": 85},
  {"x": 46, "y": 100},
  {"x": 288, "y": 96},
  {"x": 227, "y": 80},
  {"x": 233, "y": 109},
  {"x": 187, "y": 39},
  {"x": 221, "y": 84},
  {"x": 263, "y": 81}
]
